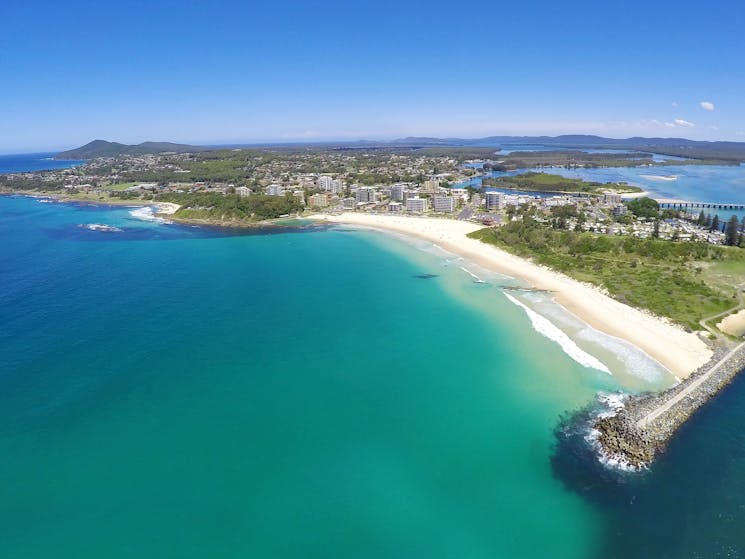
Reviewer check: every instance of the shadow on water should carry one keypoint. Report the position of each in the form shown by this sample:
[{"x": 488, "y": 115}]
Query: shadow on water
[{"x": 689, "y": 503}]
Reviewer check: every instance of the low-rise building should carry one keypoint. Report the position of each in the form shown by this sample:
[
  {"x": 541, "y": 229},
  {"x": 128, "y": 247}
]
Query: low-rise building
[
  {"x": 242, "y": 191},
  {"x": 394, "y": 207},
  {"x": 300, "y": 196}
]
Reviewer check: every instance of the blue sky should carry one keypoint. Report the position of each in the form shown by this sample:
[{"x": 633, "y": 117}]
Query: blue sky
[{"x": 222, "y": 72}]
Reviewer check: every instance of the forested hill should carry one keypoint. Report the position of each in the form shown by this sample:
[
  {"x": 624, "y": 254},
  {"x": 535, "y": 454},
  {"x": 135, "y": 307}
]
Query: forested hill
[{"x": 102, "y": 148}]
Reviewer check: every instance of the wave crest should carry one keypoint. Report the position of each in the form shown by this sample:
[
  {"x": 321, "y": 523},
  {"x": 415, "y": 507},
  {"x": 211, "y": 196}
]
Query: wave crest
[{"x": 546, "y": 328}]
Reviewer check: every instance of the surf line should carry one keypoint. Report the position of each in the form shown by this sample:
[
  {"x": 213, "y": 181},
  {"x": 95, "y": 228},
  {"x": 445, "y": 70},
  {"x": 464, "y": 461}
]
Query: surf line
[{"x": 548, "y": 329}]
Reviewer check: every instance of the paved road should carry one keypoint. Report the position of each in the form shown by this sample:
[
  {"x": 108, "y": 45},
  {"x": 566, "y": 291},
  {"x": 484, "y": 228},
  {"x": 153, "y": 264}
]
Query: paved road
[
  {"x": 654, "y": 414},
  {"x": 466, "y": 213}
]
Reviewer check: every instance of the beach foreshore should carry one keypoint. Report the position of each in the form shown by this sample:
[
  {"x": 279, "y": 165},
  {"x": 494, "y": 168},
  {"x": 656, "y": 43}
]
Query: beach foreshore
[{"x": 679, "y": 351}]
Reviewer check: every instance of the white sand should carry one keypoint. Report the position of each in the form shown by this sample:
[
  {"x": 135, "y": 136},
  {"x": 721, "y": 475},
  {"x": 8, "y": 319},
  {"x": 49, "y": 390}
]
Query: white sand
[
  {"x": 630, "y": 195},
  {"x": 678, "y": 351},
  {"x": 167, "y": 208},
  {"x": 733, "y": 324},
  {"x": 668, "y": 178}
]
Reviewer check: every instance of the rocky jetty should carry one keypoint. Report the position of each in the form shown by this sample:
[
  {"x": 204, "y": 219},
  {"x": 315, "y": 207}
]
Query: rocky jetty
[{"x": 643, "y": 427}]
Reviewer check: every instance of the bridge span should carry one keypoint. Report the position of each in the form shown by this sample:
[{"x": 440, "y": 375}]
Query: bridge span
[{"x": 674, "y": 204}]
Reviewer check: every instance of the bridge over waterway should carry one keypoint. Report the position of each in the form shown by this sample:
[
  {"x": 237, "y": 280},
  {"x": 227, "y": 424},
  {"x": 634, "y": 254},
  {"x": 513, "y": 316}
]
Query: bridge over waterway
[{"x": 675, "y": 204}]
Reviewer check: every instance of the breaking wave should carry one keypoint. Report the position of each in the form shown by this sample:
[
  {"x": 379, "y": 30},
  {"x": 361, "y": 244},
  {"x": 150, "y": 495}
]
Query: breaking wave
[{"x": 546, "y": 328}]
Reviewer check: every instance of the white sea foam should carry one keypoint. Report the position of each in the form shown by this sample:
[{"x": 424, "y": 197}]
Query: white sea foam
[
  {"x": 613, "y": 403},
  {"x": 546, "y": 328},
  {"x": 100, "y": 227},
  {"x": 146, "y": 213},
  {"x": 635, "y": 361}
]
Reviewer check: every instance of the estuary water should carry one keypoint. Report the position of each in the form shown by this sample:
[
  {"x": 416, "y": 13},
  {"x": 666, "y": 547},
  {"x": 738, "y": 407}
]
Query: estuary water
[{"x": 173, "y": 391}]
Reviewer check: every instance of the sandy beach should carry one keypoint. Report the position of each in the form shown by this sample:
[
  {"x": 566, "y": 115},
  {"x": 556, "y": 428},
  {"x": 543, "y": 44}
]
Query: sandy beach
[
  {"x": 734, "y": 324},
  {"x": 678, "y": 351}
]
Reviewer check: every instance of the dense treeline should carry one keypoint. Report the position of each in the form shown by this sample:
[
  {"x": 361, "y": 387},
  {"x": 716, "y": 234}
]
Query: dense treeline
[
  {"x": 546, "y": 182},
  {"x": 661, "y": 276},
  {"x": 644, "y": 207}
]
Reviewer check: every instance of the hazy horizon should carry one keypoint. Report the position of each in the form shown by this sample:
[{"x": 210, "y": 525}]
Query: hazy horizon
[{"x": 322, "y": 141}]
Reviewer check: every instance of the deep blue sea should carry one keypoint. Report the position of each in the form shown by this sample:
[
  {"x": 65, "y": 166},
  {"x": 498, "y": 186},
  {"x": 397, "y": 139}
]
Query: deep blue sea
[
  {"x": 173, "y": 391},
  {"x": 28, "y": 162}
]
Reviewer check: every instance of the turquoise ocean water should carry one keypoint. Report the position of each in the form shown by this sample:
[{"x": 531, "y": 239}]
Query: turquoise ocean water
[{"x": 171, "y": 391}]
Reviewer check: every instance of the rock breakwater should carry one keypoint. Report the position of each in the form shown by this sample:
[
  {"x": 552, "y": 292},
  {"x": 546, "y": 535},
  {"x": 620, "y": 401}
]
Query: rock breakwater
[{"x": 643, "y": 427}]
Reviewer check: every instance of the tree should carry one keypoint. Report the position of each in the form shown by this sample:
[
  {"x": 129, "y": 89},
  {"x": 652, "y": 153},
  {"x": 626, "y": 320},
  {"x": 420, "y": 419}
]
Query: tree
[
  {"x": 714, "y": 223},
  {"x": 656, "y": 230},
  {"x": 644, "y": 207},
  {"x": 731, "y": 234},
  {"x": 701, "y": 218}
]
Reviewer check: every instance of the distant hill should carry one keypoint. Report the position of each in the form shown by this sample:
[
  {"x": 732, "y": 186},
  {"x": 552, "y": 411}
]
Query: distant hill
[
  {"x": 102, "y": 148},
  {"x": 694, "y": 149}
]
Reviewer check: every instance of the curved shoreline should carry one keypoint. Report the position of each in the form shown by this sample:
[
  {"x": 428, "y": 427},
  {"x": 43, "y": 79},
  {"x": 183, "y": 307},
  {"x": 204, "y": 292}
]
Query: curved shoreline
[{"x": 678, "y": 351}]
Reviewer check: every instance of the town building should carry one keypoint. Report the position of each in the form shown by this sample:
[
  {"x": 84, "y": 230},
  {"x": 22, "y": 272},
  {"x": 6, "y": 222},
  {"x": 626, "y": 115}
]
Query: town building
[
  {"x": 394, "y": 207},
  {"x": 349, "y": 203},
  {"x": 242, "y": 191},
  {"x": 365, "y": 194},
  {"x": 275, "y": 190},
  {"x": 494, "y": 200},
  {"x": 319, "y": 200},
  {"x": 443, "y": 204},
  {"x": 619, "y": 210},
  {"x": 461, "y": 193},
  {"x": 611, "y": 199},
  {"x": 416, "y": 205},
  {"x": 324, "y": 183},
  {"x": 327, "y": 184},
  {"x": 431, "y": 186},
  {"x": 397, "y": 192},
  {"x": 300, "y": 195}
]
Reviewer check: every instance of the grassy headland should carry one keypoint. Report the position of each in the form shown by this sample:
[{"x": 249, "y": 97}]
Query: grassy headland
[
  {"x": 210, "y": 207},
  {"x": 682, "y": 281}
]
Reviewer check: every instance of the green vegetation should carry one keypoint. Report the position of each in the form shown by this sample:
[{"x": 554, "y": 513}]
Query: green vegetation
[
  {"x": 213, "y": 206},
  {"x": 120, "y": 186},
  {"x": 644, "y": 207},
  {"x": 682, "y": 281},
  {"x": 546, "y": 182},
  {"x": 102, "y": 148}
]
